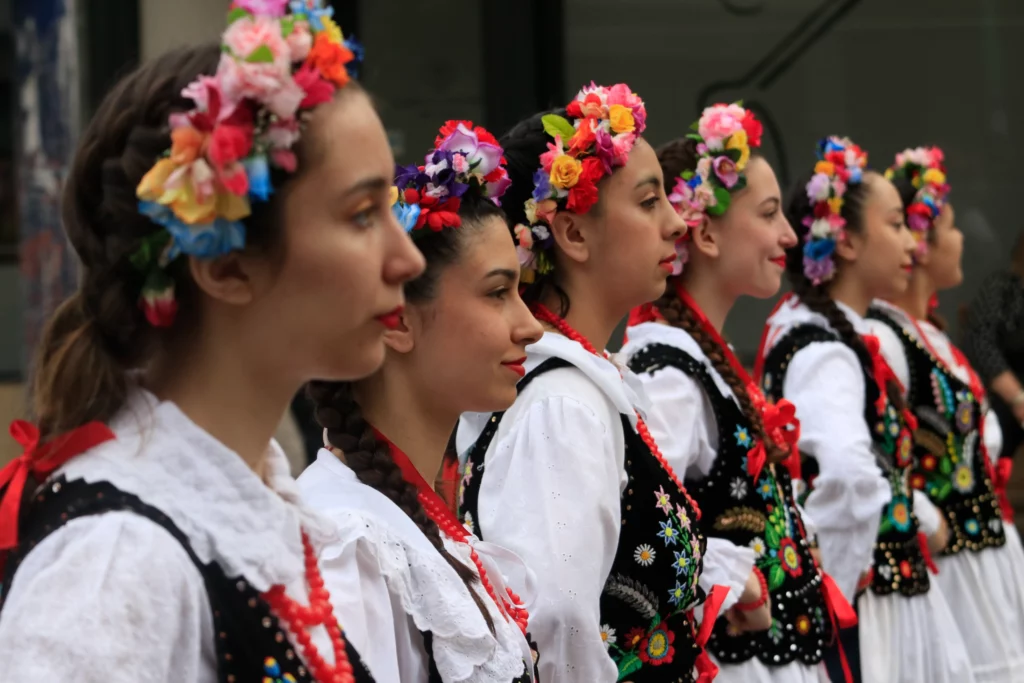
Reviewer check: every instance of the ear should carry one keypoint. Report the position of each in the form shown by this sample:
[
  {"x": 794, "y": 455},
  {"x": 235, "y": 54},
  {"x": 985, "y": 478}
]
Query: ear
[
  {"x": 704, "y": 237},
  {"x": 569, "y": 231},
  {"x": 231, "y": 279},
  {"x": 848, "y": 246},
  {"x": 401, "y": 339}
]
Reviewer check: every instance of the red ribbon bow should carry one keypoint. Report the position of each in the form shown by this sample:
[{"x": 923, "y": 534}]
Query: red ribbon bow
[
  {"x": 781, "y": 426},
  {"x": 883, "y": 375},
  {"x": 706, "y": 669},
  {"x": 1003, "y": 472},
  {"x": 842, "y": 616},
  {"x": 39, "y": 460}
]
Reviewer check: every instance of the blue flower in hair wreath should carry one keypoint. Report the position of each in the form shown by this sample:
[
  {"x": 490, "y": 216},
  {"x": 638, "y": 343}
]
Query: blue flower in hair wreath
[
  {"x": 407, "y": 215},
  {"x": 817, "y": 250},
  {"x": 205, "y": 241},
  {"x": 313, "y": 11}
]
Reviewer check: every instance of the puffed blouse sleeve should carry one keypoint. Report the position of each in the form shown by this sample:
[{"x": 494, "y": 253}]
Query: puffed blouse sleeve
[{"x": 825, "y": 382}]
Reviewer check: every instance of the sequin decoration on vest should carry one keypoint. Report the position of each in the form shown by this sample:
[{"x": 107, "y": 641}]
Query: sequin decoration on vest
[
  {"x": 761, "y": 515},
  {"x": 899, "y": 564},
  {"x": 646, "y": 606},
  {"x": 949, "y": 461}
]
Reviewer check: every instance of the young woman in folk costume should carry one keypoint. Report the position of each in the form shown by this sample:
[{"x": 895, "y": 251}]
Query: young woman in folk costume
[
  {"x": 856, "y": 433},
  {"x": 215, "y": 225},
  {"x": 711, "y": 419},
  {"x": 981, "y": 568},
  {"x": 441, "y": 610},
  {"x": 569, "y": 478}
]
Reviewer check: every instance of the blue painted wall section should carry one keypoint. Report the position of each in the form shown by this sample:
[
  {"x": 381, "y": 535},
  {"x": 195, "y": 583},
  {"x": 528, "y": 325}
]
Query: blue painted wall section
[{"x": 48, "y": 111}]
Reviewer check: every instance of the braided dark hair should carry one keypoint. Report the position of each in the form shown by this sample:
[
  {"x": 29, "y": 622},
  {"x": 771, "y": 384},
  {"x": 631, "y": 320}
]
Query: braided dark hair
[
  {"x": 523, "y": 144},
  {"x": 100, "y": 334},
  {"x": 338, "y": 411},
  {"x": 675, "y": 157},
  {"x": 817, "y": 297}
]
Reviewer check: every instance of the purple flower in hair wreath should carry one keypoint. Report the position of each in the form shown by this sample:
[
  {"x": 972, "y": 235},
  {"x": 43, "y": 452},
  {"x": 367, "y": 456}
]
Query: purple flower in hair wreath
[
  {"x": 604, "y": 148},
  {"x": 725, "y": 169},
  {"x": 541, "y": 185},
  {"x": 270, "y": 8},
  {"x": 818, "y": 271}
]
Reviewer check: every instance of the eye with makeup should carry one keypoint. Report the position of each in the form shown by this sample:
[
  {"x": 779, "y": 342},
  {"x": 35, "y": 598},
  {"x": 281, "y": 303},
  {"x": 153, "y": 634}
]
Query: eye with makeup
[{"x": 650, "y": 202}]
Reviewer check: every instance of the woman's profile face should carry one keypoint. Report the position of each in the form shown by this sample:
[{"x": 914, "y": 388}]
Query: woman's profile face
[{"x": 345, "y": 258}]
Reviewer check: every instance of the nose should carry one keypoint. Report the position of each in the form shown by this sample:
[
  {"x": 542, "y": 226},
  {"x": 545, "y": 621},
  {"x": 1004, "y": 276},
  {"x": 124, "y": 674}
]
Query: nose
[
  {"x": 402, "y": 260},
  {"x": 909, "y": 243},
  {"x": 674, "y": 227},
  {"x": 526, "y": 329},
  {"x": 789, "y": 238}
]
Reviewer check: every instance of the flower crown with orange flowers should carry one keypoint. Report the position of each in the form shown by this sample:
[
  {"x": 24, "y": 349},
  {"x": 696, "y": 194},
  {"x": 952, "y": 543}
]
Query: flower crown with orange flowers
[
  {"x": 725, "y": 134},
  {"x": 840, "y": 164},
  {"x": 924, "y": 168},
  {"x": 279, "y": 60},
  {"x": 464, "y": 159},
  {"x": 602, "y": 126}
]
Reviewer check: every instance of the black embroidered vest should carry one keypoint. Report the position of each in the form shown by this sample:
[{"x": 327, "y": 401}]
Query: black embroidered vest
[
  {"x": 949, "y": 462},
  {"x": 250, "y": 645},
  {"x": 758, "y": 514},
  {"x": 652, "y": 588},
  {"x": 898, "y": 565}
]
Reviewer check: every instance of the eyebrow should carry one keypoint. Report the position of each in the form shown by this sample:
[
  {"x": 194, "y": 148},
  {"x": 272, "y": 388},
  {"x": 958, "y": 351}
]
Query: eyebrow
[
  {"x": 653, "y": 180},
  {"x": 501, "y": 272},
  {"x": 368, "y": 184}
]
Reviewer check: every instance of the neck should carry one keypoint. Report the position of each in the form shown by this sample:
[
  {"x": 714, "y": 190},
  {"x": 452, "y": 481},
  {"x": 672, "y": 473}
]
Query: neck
[
  {"x": 915, "y": 299},
  {"x": 589, "y": 314},
  {"x": 419, "y": 428},
  {"x": 714, "y": 300},
  {"x": 225, "y": 395},
  {"x": 851, "y": 292}
]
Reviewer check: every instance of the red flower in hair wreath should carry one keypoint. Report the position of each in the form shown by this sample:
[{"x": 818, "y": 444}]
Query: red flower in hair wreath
[{"x": 465, "y": 158}]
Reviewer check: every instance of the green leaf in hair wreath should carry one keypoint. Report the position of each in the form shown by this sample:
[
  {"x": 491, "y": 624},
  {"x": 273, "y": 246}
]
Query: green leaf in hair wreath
[
  {"x": 261, "y": 55},
  {"x": 555, "y": 125},
  {"x": 287, "y": 25},
  {"x": 695, "y": 125},
  {"x": 695, "y": 136},
  {"x": 236, "y": 14},
  {"x": 150, "y": 249},
  {"x": 733, "y": 154}
]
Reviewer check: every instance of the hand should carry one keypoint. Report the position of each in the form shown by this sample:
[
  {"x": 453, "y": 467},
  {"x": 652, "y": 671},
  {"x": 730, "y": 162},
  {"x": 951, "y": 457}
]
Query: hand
[
  {"x": 1018, "y": 412},
  {"x": 758, "y": 619},
  {"x": 937, "y": 542},
  {"x": 816, "y": 554}
]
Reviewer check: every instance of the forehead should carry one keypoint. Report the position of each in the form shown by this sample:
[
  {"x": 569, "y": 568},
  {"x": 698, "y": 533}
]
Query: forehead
[
  {"x": 761, "y": 180},
  {"x": 487, "y": 245},
  {"x": 882, "y": 194},
  {"x": 641, "y": 165},
  {"x": 349, "y": 142}
]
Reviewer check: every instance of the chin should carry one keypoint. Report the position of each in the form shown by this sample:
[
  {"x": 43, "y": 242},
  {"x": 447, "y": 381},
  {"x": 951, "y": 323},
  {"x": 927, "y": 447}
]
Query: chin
[{"x": 356, "y": 362}]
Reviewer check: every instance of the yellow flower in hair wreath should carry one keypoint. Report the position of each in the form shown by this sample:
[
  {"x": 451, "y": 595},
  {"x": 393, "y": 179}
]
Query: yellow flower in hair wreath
[
  {"x": 934, "y": 176},
  {"x": 621, "y": 119},
  {"x": 738, "y": 140},
  {"x": 565, "y": 171}
]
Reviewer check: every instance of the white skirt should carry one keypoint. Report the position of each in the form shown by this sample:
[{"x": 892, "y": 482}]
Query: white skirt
[
  {"x": 985, "y": 593},
  {"x": 755, "y": 671},
  {"x": 911, "y": 640}
]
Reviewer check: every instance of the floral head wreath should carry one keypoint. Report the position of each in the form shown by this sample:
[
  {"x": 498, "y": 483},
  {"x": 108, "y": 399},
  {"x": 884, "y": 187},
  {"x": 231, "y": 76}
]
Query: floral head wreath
[
  {"x": 595, "y": 136},
  {"x": 725, "y": 134},
  {"x": 279, "y": 60},
  {"x": 924, "y": 168},
  {"x": 465, "y": 158},
  {"x": 840, "y": 164}
]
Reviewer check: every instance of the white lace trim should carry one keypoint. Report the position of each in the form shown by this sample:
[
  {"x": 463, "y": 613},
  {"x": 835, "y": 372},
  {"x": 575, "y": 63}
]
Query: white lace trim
[
  {"x": 229, "y": 515},
  {"x": 438, "y": 601}
]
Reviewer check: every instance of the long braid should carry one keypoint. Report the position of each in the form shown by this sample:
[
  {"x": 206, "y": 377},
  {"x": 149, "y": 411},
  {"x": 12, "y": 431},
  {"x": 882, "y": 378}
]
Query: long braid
[
  {"x": 339, "y": 413},
  {"x": 678, "y": 314}
]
